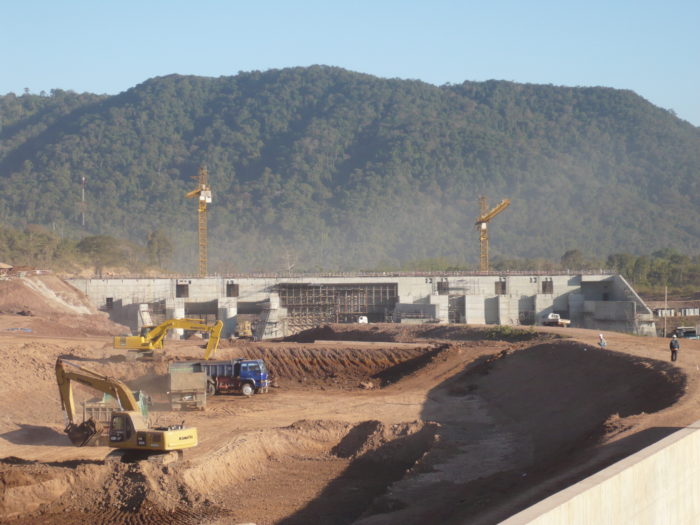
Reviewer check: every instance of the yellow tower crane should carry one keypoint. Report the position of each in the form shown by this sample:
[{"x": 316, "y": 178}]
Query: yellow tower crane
[
  {"x": 203, "y": 192},
  {"x": 482, "y": 225}
]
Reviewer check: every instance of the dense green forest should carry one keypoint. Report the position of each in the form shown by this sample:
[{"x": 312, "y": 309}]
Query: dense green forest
[{"x": 321, "y": 168}]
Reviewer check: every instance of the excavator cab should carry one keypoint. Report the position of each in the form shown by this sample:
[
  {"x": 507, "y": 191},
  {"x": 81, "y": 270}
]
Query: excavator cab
[{"x": 120, "y": 428}]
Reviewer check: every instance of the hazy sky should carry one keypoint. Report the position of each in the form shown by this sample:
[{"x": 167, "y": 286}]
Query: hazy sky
[{"x": 101, "y": 46}]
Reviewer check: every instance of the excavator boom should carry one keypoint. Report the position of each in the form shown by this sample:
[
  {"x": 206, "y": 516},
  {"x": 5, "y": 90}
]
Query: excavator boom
[
  {"x": 83, "y": 433},
  {"x": 152, "y": 338},
  {"x": 128, "y": 430},
  {"x": 214, "y": 338}
]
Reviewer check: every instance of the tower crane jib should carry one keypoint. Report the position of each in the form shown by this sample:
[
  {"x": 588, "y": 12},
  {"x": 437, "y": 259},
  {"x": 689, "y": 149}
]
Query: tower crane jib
[{"x": 482, "y": 225}]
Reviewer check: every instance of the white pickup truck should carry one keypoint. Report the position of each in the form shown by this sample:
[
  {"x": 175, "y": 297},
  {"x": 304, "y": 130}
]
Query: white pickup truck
[{"x": 555, "y": 320}]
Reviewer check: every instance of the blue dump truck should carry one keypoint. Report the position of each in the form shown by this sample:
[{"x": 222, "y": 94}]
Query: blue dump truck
[{"x": 234, "y": 376}]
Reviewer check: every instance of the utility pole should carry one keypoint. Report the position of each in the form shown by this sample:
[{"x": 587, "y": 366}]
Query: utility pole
[
  {"x": 665, "y": 307},
  {"x": 82, "y": 202}
]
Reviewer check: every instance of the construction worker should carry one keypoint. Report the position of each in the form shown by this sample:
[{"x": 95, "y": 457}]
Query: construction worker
[{"x": 674, "y": 345}]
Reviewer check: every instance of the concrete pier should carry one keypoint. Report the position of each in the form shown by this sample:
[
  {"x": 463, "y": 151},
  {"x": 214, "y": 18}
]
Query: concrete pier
[{"x": 590, "y": 300}]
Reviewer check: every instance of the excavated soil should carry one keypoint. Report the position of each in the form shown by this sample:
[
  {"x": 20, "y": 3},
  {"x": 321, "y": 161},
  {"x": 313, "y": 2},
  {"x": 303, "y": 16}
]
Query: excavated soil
[
  {"x": 370, "y": 424},
  {"x": 46, "y": 305}
]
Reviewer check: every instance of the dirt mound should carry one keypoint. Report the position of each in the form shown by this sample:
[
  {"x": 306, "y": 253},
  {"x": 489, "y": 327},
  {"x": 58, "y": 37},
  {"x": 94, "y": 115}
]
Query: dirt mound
[
  {"x": 99, "y": 492},
  {"x": 46, "y": 305},
  {"x": 480, "y": 333},
  {"x": 27, "y": 486},
  {"x": 370, "y": 456},
  {"x": 604, "y": 384},
  {"x": 370, "y": 436},
  {"x": 462, "y": 430},
  {"x": 536, "y": 417},
  {"x": 339, "y": 367},
  {"x": 28, "y": 382},
  {"x": 344, "y": 332},
  {"x": 42, "y": 294},
  {"x": 406, "y": 333},
  {"x": 363, "y": 458}
]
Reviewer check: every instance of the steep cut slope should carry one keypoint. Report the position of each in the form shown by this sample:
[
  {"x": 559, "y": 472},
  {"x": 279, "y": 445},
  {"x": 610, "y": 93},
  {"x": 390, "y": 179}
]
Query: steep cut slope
[{"x": 45, "y": 304}]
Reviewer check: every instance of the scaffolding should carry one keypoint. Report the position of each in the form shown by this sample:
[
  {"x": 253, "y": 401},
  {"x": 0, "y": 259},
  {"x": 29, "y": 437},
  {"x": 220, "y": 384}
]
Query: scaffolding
[{"x": 310, "y": 305}]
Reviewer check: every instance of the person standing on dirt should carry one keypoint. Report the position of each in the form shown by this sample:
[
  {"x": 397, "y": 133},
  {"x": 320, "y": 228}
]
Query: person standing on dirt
[
  {"x": 601, "y": 341},
  {"x": 674, "y": 345}
]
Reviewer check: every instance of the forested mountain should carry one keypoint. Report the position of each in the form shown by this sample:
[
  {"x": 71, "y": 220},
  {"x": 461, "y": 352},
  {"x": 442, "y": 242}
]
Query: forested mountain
[{"x": 323, "y": 168}]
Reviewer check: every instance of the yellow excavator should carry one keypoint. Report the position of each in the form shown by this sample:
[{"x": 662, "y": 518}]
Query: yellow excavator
[
  {"x": 127, "y": 429},
  {"x": 152, "y": 337}
]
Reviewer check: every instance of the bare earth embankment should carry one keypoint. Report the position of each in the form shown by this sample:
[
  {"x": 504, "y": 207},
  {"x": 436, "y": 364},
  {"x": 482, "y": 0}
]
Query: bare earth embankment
[{"x": 371, "y": 424}]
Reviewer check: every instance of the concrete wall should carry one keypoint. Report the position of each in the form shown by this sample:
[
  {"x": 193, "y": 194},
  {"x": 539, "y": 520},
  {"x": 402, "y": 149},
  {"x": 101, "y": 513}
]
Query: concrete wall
[
  {"x": 658, "y": 485},
  {"x": 430, "y": 308},
  {"x": 621, "y": 288},
  {"x": 576, "y": 305},
  {"x": 544, "y": 305},
  {"x": 508, "y": 309},
  {"x": 441, "y": 303},
  {"x": 490, "y": 299},
  {"x": 617, "y": 316},
  {"x": 474, "y": 312}
]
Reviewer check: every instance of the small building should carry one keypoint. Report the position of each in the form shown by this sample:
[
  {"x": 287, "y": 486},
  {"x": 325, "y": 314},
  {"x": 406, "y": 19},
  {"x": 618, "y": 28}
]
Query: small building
[
  {"x": 5, "y": 268},
  {"x": 675, "y": 308}
]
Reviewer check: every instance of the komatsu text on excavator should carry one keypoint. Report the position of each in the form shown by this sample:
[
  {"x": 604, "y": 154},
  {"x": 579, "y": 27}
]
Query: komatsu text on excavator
[
  {"x": 152, "y": 337},
  {"x": 127, "y": 430}
]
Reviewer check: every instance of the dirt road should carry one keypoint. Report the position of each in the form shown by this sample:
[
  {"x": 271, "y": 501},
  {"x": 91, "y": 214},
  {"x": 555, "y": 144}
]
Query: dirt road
[{"x": 467, "y": 423}]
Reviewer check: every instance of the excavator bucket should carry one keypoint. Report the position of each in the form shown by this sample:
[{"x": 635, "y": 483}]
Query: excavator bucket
[{"x": 84, "y": 433}]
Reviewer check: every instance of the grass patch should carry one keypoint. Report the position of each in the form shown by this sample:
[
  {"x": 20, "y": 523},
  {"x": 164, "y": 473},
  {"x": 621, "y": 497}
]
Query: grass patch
[{"x": 511, "y": 333}]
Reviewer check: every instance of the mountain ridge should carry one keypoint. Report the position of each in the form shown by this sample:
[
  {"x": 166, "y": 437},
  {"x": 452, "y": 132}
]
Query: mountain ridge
[{"x": 339, "y": 170}]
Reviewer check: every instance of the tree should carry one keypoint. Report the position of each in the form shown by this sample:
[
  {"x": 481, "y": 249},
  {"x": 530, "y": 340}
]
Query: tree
[
  {"x": 103, "y": 250},
  {"x": 572, "y": 260},
  {"x": 159, "y": 248},
  {"x": 641, "y": 270}
]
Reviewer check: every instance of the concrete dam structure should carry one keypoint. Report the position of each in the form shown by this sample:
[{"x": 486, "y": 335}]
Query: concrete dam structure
[{"x": 281, "y": 305}]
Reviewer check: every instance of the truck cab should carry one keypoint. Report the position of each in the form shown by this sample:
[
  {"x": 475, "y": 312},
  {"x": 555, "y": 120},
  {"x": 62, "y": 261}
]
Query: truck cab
[
  {"x": 554, "y": 319},
  {"x": 245, "y": 376},
  {"x": 248, "y": 377}
]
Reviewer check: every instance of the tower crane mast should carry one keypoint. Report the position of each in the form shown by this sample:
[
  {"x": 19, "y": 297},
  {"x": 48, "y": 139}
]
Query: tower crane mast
[
  {"x": 481, "y": 224},
  {"x": 203, "y": 193}
]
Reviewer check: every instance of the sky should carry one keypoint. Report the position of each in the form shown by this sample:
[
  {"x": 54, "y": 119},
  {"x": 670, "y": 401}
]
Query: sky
[{"x": 109, "y": 46}]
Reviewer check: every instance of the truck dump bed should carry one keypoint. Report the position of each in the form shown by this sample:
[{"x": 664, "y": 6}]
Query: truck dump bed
[{"x": 188, "y": 388}]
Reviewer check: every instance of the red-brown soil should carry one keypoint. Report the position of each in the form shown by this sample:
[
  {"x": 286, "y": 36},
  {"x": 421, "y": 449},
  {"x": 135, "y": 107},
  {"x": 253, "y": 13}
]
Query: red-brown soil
[
  {"x": 45, "y": 304},
  {"x": 470, "y": 424}
]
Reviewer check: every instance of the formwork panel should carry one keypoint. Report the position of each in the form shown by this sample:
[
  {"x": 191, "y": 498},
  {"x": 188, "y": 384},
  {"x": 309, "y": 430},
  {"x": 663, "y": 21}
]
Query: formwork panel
[{"x": 311, "y": 304}]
